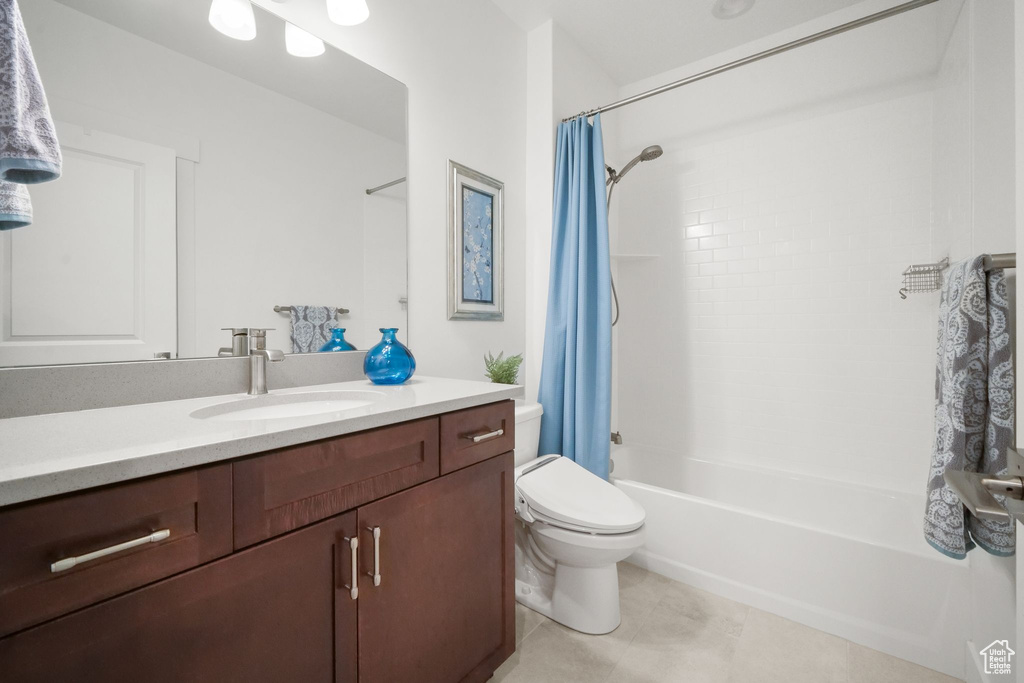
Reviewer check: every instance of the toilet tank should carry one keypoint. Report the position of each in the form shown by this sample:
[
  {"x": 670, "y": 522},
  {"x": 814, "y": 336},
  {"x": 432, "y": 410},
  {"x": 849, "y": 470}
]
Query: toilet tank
[{"x": 527, "y": 431}]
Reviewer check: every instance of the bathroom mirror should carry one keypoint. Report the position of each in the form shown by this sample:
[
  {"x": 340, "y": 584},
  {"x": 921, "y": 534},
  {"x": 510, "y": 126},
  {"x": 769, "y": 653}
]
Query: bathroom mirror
[{"x": 207, "y": 181}]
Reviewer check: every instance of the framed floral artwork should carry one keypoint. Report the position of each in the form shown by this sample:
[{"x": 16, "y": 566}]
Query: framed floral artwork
[{"x": 475, "y": 245}]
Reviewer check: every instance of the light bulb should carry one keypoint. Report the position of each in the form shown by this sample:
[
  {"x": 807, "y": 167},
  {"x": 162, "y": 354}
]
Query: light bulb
[
  {"x": 233, "y": 18},
  {"x": 301, "y": 43},
  {"x": 348, "y": 12}
]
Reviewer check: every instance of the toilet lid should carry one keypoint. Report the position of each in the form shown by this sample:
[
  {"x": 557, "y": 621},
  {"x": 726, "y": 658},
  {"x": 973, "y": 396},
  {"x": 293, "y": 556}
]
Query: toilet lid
[{"x": 563, "y": 491}]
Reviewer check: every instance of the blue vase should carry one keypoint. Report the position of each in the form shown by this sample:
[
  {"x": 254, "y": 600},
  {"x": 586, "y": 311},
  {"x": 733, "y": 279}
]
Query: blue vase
[
  {"x": 337, "y": 342},
  {"x": 390, "y": 361}
]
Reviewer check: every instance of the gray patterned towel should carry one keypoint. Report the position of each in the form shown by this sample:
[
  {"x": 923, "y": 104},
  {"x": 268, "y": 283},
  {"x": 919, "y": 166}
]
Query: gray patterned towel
[
  {"x": 15, "y": 206},
  {"x": 311, "y": 327},
  {"x": 29, "y": 152},
  {"x": 973, "y": 405}
]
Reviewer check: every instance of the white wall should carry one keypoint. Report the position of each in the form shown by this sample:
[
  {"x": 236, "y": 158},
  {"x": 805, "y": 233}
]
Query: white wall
[
  {"x": 291, "y": 233},
  {"x": 464, "y": 62},
  {"x": 976, "y": 213},
  {"x": 540, "y": 160},
  {"x": 562, "y": 81}
]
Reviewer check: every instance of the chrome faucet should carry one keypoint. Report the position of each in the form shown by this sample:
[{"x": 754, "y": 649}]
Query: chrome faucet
[
  {"x": 259, "y": 356},
  {"x": 239, "y": 342}
]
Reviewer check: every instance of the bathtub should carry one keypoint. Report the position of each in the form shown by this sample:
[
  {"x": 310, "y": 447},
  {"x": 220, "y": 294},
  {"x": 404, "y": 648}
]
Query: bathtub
[{"x": 842, "y": 558}]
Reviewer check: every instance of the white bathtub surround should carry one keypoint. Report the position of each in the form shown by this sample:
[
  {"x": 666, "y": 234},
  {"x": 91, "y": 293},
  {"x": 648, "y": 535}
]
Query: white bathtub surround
[
  {"x": 772, "y": 305},
  {"x": 843, "y": 558},
  {"x": 45, "y": 455}
]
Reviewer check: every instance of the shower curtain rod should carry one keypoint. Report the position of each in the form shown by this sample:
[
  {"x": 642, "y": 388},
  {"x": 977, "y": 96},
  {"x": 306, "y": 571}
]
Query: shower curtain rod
[{"x": 785, "y": 47}]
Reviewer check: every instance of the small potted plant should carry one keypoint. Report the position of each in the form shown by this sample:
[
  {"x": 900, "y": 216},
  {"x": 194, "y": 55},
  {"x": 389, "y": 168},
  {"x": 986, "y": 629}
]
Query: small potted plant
[{"x": 503, "y": 370}]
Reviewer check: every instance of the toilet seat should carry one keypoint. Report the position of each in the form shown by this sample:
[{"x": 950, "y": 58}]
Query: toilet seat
[{"x": 561, "y": 493}]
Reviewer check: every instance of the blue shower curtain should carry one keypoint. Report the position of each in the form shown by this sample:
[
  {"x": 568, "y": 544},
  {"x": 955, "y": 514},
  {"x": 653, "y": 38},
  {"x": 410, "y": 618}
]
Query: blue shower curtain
[{"x": 576, "y": 376}]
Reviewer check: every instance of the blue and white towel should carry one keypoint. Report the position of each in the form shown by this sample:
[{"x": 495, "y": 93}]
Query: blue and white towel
[
  {"x": 29, "y": 151},
  {"x": 311, "y": 327},
  {"x": 974, "y": 405},
  {"x": 15, "y": 206}
]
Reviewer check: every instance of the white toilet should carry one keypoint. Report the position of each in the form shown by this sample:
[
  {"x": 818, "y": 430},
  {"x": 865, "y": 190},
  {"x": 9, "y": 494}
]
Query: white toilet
[{"x": 571, "y": 529}]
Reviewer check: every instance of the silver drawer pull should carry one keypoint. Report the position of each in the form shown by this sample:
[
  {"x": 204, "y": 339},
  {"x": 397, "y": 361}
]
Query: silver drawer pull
[
  {"x": 353, "y": 590},
  {"x": 376, "y": 555},
  {"x": 488, "y": 436},
  {"x": 69, "y": 562}
]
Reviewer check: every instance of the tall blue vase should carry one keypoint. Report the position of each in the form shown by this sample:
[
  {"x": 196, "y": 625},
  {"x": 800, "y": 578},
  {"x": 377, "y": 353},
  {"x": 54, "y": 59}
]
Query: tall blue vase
[
  {"x": 337, "y": 342},
  {"x": 390, "y": 361}
]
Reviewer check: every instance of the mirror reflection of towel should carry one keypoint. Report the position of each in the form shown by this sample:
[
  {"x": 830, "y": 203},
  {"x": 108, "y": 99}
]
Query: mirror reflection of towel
[{"x": 311, "y": 327}]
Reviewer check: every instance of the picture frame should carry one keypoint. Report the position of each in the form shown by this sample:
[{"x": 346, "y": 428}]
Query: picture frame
[{"x": 476, "y": 241}]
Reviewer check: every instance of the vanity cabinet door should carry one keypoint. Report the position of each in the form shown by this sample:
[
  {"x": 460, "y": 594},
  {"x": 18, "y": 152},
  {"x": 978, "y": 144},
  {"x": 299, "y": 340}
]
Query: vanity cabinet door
[
  {"x": 444, "y": 608},
  {"x": 276, "y": 612}
]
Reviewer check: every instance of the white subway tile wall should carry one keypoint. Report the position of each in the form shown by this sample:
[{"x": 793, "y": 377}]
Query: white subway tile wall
[{"x": 768, "y": 327}]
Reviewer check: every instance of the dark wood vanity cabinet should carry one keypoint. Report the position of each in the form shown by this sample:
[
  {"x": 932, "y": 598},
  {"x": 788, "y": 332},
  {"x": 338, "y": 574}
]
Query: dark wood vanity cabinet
[
  {"x": 431, "y": 599},
  {"x": 275, "y": 612},
  {"x": 444, "y": 609}
]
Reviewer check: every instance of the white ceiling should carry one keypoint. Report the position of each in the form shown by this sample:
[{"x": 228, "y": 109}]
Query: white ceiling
[
  {"x": 635, "y": 39},
  {"x": 334, "y": 82}
]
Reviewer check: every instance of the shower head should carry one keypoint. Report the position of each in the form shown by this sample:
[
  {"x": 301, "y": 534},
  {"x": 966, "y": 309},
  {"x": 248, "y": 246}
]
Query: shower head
[
  {"x": 649, "y": 154},
  {"x": 652, "y": 152}
]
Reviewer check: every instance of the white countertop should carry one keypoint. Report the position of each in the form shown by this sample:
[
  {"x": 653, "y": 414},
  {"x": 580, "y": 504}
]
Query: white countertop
[{"x": 44, "y": 455}]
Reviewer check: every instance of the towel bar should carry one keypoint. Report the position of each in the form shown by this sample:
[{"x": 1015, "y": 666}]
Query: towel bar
[
  {"x": 975, "y": 490},
  {"x": 288, "y": 309},
  {"x": 927, "y": 277}
]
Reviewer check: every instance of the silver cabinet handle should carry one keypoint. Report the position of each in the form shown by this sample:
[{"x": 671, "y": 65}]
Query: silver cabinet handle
[
  {"x": 488, "y": 436},
  {"x": 376, "y": 555},
  {"x": 69, "y": 562},
  {"x": 353, "y": 589}
]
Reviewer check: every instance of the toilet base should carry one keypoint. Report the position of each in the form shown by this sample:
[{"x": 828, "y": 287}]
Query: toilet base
[
  {"x": 585, "y": 599},
  {"x": 572, "y": 577}
]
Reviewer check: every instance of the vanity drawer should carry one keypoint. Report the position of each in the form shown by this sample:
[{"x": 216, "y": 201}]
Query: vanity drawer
[
  {"x": 291, "y": 487},
  {"x": 469, "y": 436},
  {"x": 177, "y": 521}
]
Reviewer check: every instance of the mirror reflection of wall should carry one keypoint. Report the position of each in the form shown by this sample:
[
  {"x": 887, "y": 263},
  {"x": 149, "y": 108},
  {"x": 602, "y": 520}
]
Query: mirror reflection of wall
[{"x": 207, "y": 180}]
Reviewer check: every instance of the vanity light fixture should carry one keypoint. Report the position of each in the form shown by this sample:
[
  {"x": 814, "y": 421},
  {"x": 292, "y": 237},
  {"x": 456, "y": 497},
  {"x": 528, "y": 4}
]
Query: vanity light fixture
[
  {"x": 233, "y": 18},
  {"x": 348, "y": 12},
  {"x": 300, "y": 43},
  {"x": 730, "y": 9}
]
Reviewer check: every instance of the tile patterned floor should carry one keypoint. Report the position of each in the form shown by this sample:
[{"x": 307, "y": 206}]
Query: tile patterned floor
[{"x": 671, "y": 632}]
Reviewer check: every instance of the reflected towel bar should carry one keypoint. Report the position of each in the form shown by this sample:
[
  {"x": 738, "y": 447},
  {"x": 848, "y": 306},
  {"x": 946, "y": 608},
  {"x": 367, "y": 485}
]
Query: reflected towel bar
[
  {"x": 288, "y": 309},
  {"x": 384, "y": 186}
]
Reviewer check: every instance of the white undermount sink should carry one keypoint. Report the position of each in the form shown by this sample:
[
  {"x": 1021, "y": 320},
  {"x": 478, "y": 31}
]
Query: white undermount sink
[{"x": 279, "y": 406}]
